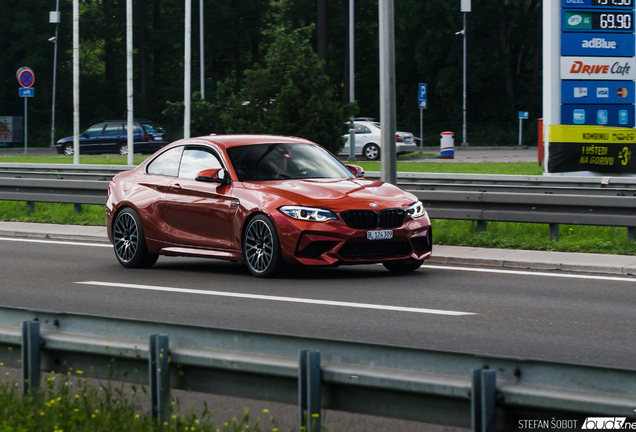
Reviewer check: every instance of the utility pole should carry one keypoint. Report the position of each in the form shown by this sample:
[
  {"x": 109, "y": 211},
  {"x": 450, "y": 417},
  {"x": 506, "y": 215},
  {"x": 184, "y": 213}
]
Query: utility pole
[
  {"x": 54, "y": 17},
  {"x": 76, "y": 147},
  {"x": 466, "y": 7},
  {"x": 388, "y": 164},
  {"x": 129, "y": 81},
  {"x": 187, "y": 81}
]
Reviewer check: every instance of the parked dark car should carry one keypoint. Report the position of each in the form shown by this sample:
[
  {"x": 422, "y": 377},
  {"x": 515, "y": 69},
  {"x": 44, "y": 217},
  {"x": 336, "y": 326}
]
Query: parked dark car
[{"x": 111, "y": 137}]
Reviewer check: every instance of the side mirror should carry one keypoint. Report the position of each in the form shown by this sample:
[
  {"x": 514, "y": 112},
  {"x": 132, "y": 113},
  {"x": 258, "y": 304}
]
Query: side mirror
[
  {"x": 84, "y": 135},
  {"x": 356, "y": 170},
  {"x": 211, "y": 176}
]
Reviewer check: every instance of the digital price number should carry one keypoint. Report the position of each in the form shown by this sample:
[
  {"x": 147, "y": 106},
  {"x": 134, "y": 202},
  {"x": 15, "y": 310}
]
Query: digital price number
[
  {"x": 612, "y": 20},
  {"x": 613, "y": 3}
]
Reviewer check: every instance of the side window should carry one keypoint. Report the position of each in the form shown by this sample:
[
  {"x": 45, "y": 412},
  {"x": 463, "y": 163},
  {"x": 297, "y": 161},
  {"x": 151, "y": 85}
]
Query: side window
[
  {"x": 167, "y": 163},
  {"x": 94, "y": 130},
  {"x": 197, "y": 159},
  {"x": 113, "y": 129},
  {"x": 361, "y": 129},
  {"x": 366, "y": 130}
]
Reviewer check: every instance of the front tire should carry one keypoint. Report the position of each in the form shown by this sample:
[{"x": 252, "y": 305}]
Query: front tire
[
  {"x": 129, "y": 241},
  {"x": 261, "y": 248},
  {"x": 371, "y": 152},
  {"x": 68, "y": 149},
  {"x": 403, "y": 266}
]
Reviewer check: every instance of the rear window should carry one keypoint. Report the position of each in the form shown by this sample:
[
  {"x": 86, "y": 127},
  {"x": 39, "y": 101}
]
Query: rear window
[{"x": 152, "y": 127}]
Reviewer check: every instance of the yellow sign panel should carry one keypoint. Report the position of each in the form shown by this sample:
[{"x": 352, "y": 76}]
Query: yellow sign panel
[{"x": 591, "y": 134}]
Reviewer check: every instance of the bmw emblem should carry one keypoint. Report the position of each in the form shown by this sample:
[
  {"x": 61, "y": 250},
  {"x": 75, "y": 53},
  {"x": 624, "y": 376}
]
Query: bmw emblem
[{"x": 374, "y": 205}]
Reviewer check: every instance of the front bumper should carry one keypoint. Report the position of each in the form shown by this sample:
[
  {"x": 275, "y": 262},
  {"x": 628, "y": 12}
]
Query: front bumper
[{"x": 334, "y": 243}]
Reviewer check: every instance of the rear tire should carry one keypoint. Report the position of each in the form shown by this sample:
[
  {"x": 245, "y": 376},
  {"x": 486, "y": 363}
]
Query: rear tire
[
  {"x": 371, "y": 152},
  {"x": 261, "y": 248},
  {"x": 123, "y": 149},
  {"x": 129, "y": 241},
  {"x": 403, "y": 266}
]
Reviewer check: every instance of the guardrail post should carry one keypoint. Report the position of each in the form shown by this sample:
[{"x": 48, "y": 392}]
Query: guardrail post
[
  {"x": 483, "y": 401},
  {"x": 481, "y": 226},
  {"x": 554, "y": 232},
  {"x": 77, "y": 208},
  {"x": 309, "y": 400},
  {"x": 30, "y": 355},
  {"x": 631, "y": 233},
  {"x": 159, "y": 377},
  {"x": 31, "y": 206}
]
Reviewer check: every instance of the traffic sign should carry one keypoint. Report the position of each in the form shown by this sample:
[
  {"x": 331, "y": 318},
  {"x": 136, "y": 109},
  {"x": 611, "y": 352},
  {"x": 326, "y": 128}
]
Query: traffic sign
[
  {"x": 27, "y": 92},
  {"x": 421, "y": 95},
  {"x": 26, "y": 78},
  {"x": 523, "y": 115},
  {"x": 422, "y": 104}
]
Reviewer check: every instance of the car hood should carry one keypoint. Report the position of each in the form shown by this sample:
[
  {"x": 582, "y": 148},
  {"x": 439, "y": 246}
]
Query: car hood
[{"x": 337, "y": 194}]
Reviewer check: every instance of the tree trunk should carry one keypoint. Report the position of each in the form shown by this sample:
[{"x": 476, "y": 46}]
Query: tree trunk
[{"x": 321, "y": 33}]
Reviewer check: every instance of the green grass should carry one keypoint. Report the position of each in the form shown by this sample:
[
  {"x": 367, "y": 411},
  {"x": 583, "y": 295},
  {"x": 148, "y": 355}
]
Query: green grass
[
  {"x": 507, "y": 235},
  {"x": 70, "y": 404},
  {"x": 61, "y": 159},
  {"x": 16, "y": 211}
]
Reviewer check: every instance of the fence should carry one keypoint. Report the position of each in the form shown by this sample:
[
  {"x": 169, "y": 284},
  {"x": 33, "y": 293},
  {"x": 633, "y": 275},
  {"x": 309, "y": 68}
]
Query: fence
[
  {"x": 486, "y": 393},
  {"x": 600, "y": 201}
]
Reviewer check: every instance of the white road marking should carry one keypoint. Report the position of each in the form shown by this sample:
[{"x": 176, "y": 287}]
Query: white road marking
[
  {"x": 532, "y": 273},
  {"x": 56, "y": 242},
  {"x": 277, "y": 298}
]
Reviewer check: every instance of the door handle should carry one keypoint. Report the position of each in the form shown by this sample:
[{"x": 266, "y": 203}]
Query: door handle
[{"x": 176, "y": 187}]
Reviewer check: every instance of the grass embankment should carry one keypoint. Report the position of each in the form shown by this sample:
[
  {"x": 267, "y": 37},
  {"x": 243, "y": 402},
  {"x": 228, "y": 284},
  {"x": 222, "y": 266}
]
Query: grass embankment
[
  {"x": 71, "y": 404},
  {"x": 574, "y": 238}
]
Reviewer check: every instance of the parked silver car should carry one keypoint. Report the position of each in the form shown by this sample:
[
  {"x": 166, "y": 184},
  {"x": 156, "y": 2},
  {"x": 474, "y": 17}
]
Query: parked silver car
[{"x": 368, "y": 141}]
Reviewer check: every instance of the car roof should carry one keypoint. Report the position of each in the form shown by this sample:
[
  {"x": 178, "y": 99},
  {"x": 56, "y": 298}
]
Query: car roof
[{"x": 227, "y": 141}]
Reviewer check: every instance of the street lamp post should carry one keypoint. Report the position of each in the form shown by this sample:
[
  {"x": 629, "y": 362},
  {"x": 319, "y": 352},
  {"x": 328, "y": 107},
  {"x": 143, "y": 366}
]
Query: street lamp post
[
  {"x": 352, "y": 132},
  {"x": 465, "y": 9},
  {"x": 54, "y": 18}
]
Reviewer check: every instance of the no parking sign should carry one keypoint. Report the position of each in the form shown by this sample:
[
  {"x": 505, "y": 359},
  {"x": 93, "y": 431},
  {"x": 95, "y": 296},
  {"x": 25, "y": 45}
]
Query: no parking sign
[{"x": 25, "y": 76}]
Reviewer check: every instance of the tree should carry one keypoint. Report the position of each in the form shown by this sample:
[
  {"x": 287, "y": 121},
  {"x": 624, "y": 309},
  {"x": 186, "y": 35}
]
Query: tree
[{"x": 288, "y": 95}]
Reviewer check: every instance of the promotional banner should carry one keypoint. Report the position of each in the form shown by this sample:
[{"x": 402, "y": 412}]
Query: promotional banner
[
  {"x": 589, "y": 148},
  {"x": 598, "y": 115},
  {"x": 598, "y": 92},
  {"x": 598, "y": 68},
  {"x": 595, "y": 44},
  {"x": 11, "y": 129}
]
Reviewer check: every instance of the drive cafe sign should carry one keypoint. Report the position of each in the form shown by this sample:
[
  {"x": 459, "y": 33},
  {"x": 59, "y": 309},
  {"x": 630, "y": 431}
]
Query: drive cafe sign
[{"x": 598, "y": 68}]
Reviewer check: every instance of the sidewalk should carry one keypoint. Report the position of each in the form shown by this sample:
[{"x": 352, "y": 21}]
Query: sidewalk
[{"x": 442, "y": 255}]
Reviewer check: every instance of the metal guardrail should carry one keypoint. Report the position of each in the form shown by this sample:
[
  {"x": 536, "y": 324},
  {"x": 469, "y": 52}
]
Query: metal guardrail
[
  {"x": 423, "y": 385},
  {"x": 62, "y": 171},
  {"x": 600, "y": 201}
]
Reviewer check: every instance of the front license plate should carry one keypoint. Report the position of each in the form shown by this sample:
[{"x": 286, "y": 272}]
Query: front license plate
[{"x": 380, "y": 235}]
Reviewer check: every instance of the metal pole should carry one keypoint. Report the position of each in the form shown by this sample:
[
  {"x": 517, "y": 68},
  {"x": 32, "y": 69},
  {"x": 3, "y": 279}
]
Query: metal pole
[
  {"x": 464, "y": 143},
  {"x": 129, "y": 81},
  {"x": 352, "y": 135},
  {"x": 202, "y": 58},
  {"x": 187, "y": 72},
  {"x": 25, "y": 125},
  {"x": 421, "y": 130},
  {"x": 388, "y": 165},
  {"x": 520, "y": 130},
  {"x": 57, "y": 25},
  {"x": 76, "y": 148}
]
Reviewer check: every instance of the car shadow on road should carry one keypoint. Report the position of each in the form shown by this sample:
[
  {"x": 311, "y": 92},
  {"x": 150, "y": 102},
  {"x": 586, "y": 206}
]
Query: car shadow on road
[{"x": 219, "y": 267}]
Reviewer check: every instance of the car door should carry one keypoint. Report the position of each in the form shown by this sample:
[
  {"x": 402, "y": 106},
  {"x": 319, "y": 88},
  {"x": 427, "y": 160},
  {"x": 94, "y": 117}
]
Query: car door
[
  {"x": 200, "y": 213},
  {"x": 110, "y": 139},
  {"x": 89, "y": 140},
  {"x": 362, "y": 137}
]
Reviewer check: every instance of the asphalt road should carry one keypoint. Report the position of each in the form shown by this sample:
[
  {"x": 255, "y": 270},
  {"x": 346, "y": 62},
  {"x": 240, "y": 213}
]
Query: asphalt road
[{"x": 545, "y": 316}]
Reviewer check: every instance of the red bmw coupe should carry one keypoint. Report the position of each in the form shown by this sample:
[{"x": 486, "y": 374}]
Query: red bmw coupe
[{"x": 270, "y": 201}]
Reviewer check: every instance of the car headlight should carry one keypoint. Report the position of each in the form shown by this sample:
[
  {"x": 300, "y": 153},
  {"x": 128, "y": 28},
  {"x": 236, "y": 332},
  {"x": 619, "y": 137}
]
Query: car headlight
[
  {"x": 308, "y": 213},
  {"x": 416, "y": 210}
]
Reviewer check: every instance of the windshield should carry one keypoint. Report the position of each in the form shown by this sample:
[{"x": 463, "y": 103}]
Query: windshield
[{"x": 284, "y": 161}]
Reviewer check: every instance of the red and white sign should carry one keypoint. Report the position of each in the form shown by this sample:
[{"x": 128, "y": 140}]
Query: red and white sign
[{"x": 598, "y": 68}]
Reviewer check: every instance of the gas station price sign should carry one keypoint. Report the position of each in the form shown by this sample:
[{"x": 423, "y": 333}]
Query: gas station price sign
[
  {"x": 605, "y": 21},
  {"x": 597, "y": 3}
]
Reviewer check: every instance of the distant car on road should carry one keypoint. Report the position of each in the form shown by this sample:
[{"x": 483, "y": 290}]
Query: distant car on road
[
  {"x": 368, "y": 141},
  {"x": 111, "y": 137}
]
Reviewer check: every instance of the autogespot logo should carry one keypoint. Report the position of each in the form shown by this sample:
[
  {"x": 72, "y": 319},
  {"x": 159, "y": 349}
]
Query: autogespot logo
[{"x": 604, "y": 423}]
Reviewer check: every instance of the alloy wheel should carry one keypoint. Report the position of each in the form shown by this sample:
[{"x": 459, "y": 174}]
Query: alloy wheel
[
  {"x": 123, "y": 149},
  {"x": 259, "y": 246},
  {"x": 126, "y": 236}
]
